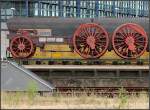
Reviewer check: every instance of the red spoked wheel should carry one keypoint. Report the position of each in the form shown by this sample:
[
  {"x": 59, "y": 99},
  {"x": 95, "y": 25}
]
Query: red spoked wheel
[
  {"x": 90, "y": 40},
  {"x": 21, "y": 46},
  {"x": 129, "y": 41}
]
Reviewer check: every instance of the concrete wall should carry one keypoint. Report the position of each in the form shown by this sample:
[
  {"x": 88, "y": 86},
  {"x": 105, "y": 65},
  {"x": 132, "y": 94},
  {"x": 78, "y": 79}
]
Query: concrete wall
[
  {"x": 4, "y": 40},
  {"x": 17, "y": 78}
]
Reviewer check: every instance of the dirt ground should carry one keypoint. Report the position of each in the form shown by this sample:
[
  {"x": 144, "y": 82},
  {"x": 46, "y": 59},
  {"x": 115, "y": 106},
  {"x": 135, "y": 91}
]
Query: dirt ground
[{"x": 24, "y": 101}]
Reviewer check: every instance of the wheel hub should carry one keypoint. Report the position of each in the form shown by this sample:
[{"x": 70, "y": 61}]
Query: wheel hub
[
  {"x": 130, "y": 42},
  {"x": 91, "y": 42},
  {"x": 21, "y": 46}
]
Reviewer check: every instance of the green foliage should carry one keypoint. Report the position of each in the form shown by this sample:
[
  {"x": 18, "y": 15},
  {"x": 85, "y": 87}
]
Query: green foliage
[
  {"x": 127, "y": 62},
  {"x": 123, "y": 98},
  {"x": 115, "y": 62},
  {"x": 32, "y": 91},
  {"x": 17, "y": 98},
  {"x": 140, "y": 62}
]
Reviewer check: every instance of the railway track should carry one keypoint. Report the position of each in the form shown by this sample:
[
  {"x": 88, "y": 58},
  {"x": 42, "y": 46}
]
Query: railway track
[
  {"x": 97, "y": 91},
  {"x": 106, "y": 91},
  {"x": 50, "y": 61}
]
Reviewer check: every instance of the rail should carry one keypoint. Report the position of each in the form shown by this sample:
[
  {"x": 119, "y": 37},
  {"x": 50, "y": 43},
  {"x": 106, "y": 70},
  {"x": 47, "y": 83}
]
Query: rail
[{"x": 88, "y": 67}]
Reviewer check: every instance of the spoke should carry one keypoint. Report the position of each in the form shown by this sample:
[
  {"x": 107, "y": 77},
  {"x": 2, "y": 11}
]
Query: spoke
[
  {"x": 96, "y": 32},
  {"x": 96, "y": 51},
  {"x": 93, "y": 33},
  {"x": 136, "y": 53},
  {"x": 87, "y": 49},
  {"x": 14, "y": 46},
  {"x": 28, "y": 45},
  {"x": 83, "y": 43},
  {"x": 14, "y": 49},
  {"x": 83, "y": 34},
  {"x": 131, "y": 54},
  {"x": 123, "y": 47},
  {"x": 123, "y": 33},
  {"x": 128, "y": 31},
  {"x": 119, "y": 37},
  {"x": 100, "y": 35},
  {"x": 23, "y": 40},
  {"x": 91, "y": 52},
  {"x": 26, "y": 50},
  {"x": 86, "y": 31},
  {"x": 101, "y": 41},
  {"x": 84, "y": 49},
  {"x": 81, "y": 37},
  {"x": 119, "y": 40},
  {"x": 139, "y": 44},
  {"x": 133, "y": 32},
  {"x": 137, "y": 37},
  {"x": 122, "y": 43},
  {"x": 100, "y": 45},
  {"x": 15, "y": 41},
  {"x": 89, "y": 30},
  {"x": 80, "y": 41},
  {"x": 139, "y": 50},
  {"x": 19, "y": 40},
  {"x": 17, "y": 50}
]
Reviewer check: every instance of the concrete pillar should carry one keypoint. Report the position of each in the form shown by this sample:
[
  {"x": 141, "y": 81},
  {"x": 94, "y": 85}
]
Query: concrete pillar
[{"x": 4, "y": 40}]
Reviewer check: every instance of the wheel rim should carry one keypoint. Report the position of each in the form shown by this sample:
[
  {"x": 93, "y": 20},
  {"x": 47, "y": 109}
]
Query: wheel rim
[
  {"x": 21, "y": 46},
  {"x": 90, "y": 40},
  {"x": 129, "y": 41}
]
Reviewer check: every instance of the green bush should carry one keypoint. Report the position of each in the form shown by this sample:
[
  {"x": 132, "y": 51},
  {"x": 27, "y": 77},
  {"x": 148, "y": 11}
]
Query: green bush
[
  {"x": 32, "y": 91},
  {"x": 115, "y": 62}
]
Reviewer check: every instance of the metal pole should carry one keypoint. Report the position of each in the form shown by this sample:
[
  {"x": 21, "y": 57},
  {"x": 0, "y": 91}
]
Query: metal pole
[
  {"x": 78, "y": 8},
  {"x": 39, "y": 8},
  {"x": 60, "y": 3},
  {"x": 96, "y": 8},
  {"x": 113, "y": 8},
  {"x": 27, "y": 8}
]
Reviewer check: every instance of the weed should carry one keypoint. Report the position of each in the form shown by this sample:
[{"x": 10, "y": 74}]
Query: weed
[
  {"x": 17, "y": 98},
  {"x": 123, "y": 98},
  {"x": 32, "y": 91}
]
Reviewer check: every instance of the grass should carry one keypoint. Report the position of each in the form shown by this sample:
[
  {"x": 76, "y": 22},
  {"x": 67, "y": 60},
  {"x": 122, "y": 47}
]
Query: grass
[
  {"x": 32, "y": 91},
  {"x": 22, "y": 100}
]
